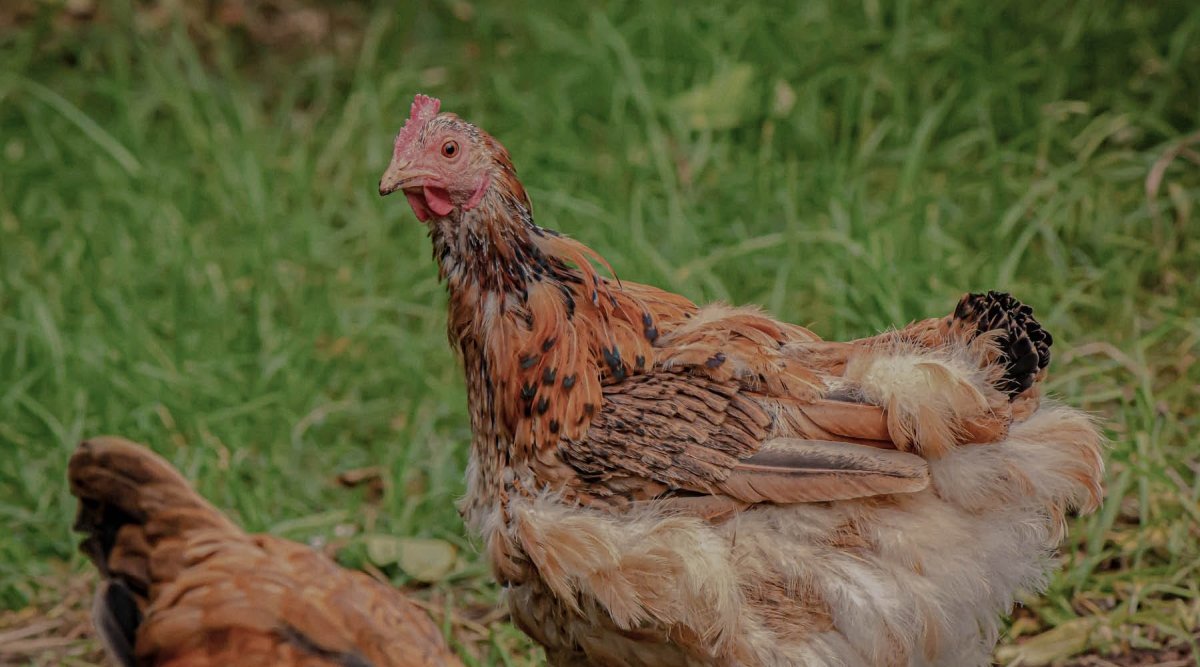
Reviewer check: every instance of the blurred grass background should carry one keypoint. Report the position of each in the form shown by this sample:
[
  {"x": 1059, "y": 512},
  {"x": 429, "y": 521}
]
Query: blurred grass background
[{"x": 193, "y": 254}]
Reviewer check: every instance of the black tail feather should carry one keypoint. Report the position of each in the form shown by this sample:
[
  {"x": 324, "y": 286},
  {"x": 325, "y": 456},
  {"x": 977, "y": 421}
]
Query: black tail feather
[
  {"x": 116, "y": 616},
  {"x": 1024, "y": 344}
]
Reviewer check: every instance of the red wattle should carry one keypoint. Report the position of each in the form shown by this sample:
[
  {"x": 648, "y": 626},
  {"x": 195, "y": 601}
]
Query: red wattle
[
  {"x": 438, "y": 200},
  {"x": 417, "y": 202}
]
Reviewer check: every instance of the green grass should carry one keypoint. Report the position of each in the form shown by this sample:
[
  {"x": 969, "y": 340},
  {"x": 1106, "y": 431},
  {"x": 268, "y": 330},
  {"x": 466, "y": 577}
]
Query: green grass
[{"x": 193, "y": 254}]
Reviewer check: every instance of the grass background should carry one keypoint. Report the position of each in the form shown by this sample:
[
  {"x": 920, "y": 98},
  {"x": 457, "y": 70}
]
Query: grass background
[{"x": 193, "y": 254}]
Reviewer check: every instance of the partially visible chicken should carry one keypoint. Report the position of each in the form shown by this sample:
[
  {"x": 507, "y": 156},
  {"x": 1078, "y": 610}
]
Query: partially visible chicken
[
  {"x": 661, "y": 483},
  {"x": 183, "y": 586}
]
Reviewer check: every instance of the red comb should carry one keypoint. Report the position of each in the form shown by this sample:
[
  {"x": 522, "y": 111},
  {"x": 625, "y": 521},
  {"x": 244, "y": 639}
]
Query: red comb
[{"x": 423, "y": 108}]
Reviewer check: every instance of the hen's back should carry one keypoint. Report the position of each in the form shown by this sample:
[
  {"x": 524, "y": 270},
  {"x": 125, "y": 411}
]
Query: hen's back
[{"x": 184, "y": 586}]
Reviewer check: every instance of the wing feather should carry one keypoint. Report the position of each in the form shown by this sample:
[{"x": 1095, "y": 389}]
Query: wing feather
[
  {"x": 788, "y": 470},
  {"x": 676, "y": 433}
]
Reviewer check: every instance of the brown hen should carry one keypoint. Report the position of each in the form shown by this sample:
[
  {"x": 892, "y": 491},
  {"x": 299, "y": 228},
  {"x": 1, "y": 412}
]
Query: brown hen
[
  {"x": 184, "y": 586},
  {"x": 661, "y": 483}
]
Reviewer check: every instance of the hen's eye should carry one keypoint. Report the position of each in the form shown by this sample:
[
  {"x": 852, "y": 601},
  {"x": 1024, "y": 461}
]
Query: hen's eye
[{"x": 450, "y": 148}]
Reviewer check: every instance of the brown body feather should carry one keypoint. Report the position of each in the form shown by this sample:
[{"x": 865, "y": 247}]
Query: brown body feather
[
  {"x": 184, "y": 586},
  {"x": 625, "y": 440}
]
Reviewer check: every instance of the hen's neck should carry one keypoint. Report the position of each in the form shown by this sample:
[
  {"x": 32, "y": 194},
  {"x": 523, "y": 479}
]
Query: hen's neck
[
  {"x": 491, "y": 260},
  {"x": 491, "y": 248},
  {"x": 539, "y": 330}
]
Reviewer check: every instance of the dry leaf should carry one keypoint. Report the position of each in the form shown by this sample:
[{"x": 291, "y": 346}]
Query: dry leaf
[
  {"x": 423, "y": 559},
  {"x": 372, "y": 477},
  {"x": 1062, "y": 642}
]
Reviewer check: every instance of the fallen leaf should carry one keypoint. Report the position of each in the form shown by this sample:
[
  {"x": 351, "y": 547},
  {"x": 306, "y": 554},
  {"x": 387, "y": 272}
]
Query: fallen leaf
[
  {"x": 372, "y": 477},
  {"x": 426, "y": 560},
  {"x": 1062, "y": 642}
]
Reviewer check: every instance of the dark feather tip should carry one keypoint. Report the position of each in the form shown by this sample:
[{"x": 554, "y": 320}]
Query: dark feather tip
[
  {"x": 1024, "y": 345},
  {"x": 116, "y": 617}
]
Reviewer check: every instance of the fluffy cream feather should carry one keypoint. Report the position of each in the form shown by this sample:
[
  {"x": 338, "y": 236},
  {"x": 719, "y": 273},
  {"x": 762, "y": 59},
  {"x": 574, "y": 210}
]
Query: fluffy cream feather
[
  {"x": 915, "y": 579},
  {"x": 933, "y": 396}
]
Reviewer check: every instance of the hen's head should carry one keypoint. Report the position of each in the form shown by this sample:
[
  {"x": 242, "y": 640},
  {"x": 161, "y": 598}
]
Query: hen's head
[{"x": 441, "y": 162}]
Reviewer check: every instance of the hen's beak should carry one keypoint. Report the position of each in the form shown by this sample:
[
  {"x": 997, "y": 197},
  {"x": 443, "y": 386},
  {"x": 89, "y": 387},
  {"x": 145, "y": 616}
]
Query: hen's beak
[{"x": 399, "y": 175}]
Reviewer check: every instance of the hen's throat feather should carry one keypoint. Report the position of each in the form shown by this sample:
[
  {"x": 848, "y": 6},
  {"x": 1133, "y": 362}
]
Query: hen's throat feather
[{"x": 491, "y": 247}]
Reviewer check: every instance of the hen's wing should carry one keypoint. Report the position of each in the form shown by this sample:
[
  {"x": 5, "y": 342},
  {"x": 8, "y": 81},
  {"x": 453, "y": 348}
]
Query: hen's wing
[
  {"x": 745, "y": 407},
  {"x": 669, "y": 433},
  {"x": 185, "y": 586}
]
